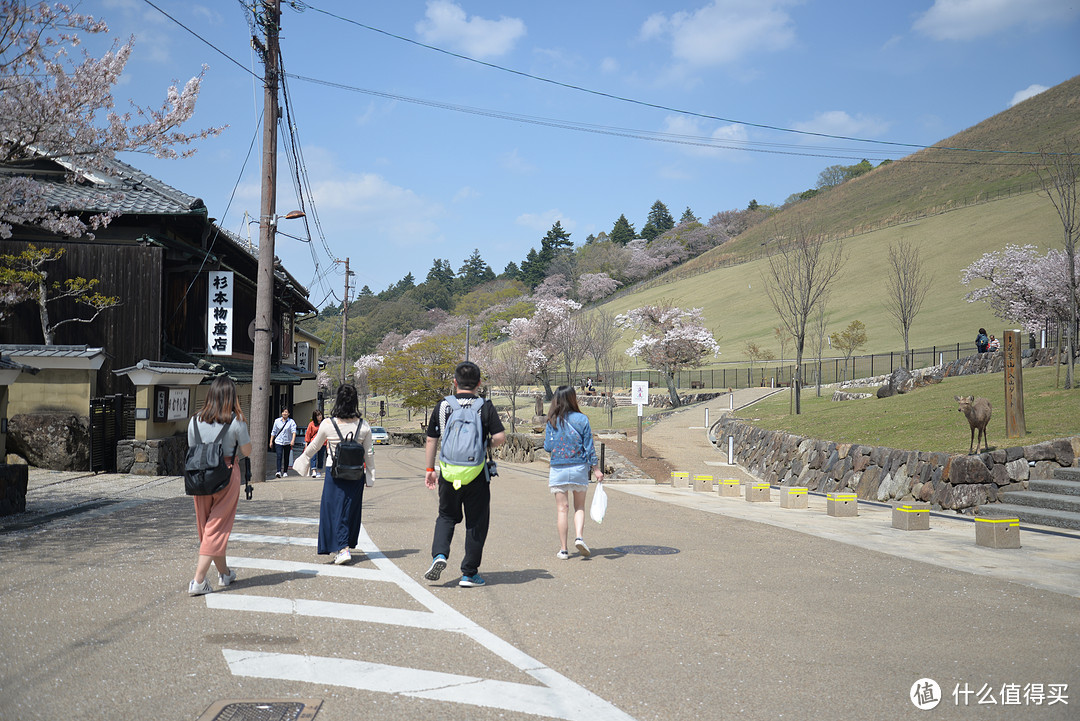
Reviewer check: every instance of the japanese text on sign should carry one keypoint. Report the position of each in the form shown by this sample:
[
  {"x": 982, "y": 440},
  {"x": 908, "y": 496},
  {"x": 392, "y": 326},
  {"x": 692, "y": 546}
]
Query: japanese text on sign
[{"x": 219, "y": 321}]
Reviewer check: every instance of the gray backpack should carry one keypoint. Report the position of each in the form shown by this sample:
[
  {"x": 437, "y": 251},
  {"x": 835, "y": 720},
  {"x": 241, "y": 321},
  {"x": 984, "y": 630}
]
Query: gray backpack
[{"x": 461, "y": 450}]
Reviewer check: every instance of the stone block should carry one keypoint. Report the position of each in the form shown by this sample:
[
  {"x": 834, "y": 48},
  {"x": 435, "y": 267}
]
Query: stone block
[
  {"x": 842, "y": 505},
  {"x": 997, "y": 532},
  {"x": 728, "y": 487},
  {"x": 13, "y": 481},
  {"x": 703, "y": 483},
  {"x": 793, "y": 497},
  {"x": 911, "y": 517},
  {"x": 757, "y": 492},
  {"x": 680, "y": 479}
]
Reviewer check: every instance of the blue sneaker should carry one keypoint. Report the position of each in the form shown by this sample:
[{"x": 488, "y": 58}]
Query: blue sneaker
[
  {"x": 437, "y": 565},
  {"x": 471, "y": 581}
]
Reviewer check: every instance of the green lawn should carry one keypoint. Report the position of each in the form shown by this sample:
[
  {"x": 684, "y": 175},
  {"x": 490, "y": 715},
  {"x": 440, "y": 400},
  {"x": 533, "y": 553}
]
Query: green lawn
[
  {"x": 737, "y": 310},
  {"x": 927, "y": 419}
]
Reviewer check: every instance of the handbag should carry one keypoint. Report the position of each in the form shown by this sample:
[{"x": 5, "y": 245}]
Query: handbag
[{"x": 599, "y": 504}]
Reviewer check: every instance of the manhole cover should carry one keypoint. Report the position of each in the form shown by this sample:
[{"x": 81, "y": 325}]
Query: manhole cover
[
  {"x": 647, "y": 550},
  {"x": 280, "y": 709}
]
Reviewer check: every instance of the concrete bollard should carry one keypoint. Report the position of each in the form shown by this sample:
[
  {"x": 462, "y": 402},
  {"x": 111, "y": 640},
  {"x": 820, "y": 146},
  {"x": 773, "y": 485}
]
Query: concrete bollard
[
  {"x": 728, "y": 487},
  {"x": 997, "y": 532},
  {"x": 680, "y": 479},
  {"x": 842, "y": 505},
  {"x": 703, "y": 483},
  {"x": 793, "y": 497},
  {"x": 757, "y": 492},
  {"x": 911, "y": 517}
]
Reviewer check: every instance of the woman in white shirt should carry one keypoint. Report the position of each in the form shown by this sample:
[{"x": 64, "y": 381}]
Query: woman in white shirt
[{"x": 342, "y": 500}]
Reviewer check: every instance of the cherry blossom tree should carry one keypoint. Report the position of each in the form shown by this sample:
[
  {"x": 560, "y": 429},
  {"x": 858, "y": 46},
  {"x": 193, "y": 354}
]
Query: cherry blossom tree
[
  {"x": 1022, "y": 286},
  {"x": 362, "y": 370},
  {"x": 594, "y": 286},
  {"x": 57, "y": 108},
  {"x": 544, "y": 335},
  {"x": 671, "y": 339},
  {"x": 510, "y": 368}
]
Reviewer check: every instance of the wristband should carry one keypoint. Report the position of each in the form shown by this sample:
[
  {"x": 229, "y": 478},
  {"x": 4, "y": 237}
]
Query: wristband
[{"x": 430, "y": 470}]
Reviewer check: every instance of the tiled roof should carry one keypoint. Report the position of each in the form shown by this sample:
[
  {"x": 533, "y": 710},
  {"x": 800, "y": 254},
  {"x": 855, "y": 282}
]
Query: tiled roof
[
  {"x": 120, "y": 187},
  {"x": 50, "y": 351},
  {"x": 163, "y": 367},
  {"x": 8, "y": 364}
]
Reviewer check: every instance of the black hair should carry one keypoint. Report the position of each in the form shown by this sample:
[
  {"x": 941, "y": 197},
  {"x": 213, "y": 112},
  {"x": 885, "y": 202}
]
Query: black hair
[
  {"x": 467, "y": 376},
  {"x": 345, "y": 405},
  {"x": 316, "y": 416},
  {"x": 982, "y": 330}
]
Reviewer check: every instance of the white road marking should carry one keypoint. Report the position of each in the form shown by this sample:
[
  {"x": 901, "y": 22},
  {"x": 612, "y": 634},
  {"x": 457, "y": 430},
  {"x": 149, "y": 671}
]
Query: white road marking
[{"x": 557, "y": 697}]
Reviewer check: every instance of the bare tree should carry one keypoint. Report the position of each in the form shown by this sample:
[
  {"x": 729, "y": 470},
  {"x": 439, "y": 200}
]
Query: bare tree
[
  {"x": 756, "y": 353},
  {"x": 817, "y": 339},
  {"x": 907, "y": 285},
  {"x": 510, "y": 368},
  {"x": 1059, "y": 173},
  {"x": 800, "y": 274},
  {"x": 600, "y": 334}
]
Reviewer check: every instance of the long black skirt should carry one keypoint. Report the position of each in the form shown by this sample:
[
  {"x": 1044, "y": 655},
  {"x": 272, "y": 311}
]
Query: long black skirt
[{"x": 339, "y": 513}]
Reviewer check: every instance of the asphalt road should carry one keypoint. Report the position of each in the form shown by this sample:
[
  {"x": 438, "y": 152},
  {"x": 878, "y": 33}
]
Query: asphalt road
[{"x": 684, "y": 611}]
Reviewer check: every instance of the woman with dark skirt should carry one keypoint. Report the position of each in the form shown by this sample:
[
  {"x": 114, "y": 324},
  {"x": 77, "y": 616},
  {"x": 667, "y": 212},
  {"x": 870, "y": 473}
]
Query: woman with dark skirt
[{"x": 342, "y": 500}]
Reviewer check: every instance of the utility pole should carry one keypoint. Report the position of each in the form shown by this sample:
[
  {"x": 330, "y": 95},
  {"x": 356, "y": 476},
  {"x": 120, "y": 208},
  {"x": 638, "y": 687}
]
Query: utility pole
[
  {"x": 344, "y": 319},
  {"x": 264, "y": 293}
]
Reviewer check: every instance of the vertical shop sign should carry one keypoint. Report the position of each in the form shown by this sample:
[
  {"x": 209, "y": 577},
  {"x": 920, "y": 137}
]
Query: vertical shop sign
[{"x": 219, "y": 311}]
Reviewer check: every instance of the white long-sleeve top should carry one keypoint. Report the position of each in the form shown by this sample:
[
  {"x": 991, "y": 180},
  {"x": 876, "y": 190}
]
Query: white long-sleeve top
[{"x": 361, "y": 432}]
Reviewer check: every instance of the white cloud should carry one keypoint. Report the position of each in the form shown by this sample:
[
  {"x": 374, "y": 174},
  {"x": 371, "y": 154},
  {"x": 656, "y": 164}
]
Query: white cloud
[
  {"x": 542, "y": 222},
  {"x": 446, "y": 22},
  {"x": 970, "y": 19},
  {"x": 697, "y": 128},
  {"x": 724, "y": 31},
  {"x": 609, "y": 65},
  {"x": 513, "y": 162},
  {"x": 838, "y": 122},
  {"x": 1028, "y": 92},
  {"x": 466, "y": 193}
]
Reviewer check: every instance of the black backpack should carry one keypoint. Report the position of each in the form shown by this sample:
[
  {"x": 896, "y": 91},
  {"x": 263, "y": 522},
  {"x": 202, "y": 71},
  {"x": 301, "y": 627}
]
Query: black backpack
[
  {"x": 205, "y": 471},
  {"x": 349, "y": 457}
]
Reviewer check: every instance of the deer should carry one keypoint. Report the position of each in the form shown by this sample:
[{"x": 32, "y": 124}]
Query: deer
[{"x": 977, "y": 411}]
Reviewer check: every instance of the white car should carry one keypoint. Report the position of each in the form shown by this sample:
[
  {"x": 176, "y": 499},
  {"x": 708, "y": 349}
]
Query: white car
[{"x": 379, "y": 436}]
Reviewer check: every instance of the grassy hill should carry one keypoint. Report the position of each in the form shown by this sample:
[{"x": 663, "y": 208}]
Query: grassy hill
[{"x": 932, "y": 187}]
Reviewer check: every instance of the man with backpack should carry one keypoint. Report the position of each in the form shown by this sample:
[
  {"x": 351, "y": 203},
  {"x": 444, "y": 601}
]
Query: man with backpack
[{"x": 462, "y": 427}]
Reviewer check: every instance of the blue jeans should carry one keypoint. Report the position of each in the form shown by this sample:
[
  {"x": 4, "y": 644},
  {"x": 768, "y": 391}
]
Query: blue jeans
[{"x": 284, "y": 457}]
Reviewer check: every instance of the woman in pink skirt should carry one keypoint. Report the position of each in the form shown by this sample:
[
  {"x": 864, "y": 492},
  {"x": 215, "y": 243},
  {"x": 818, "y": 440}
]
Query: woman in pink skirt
[{"x": 214, "y": 515}]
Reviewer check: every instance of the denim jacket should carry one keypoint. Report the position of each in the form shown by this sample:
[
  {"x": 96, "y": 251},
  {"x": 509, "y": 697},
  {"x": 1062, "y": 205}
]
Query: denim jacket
[{"x": 571, "y": 444}]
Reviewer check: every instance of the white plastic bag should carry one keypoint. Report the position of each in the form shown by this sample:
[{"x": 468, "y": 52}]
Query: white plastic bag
[{"x": 599, "y": 504}]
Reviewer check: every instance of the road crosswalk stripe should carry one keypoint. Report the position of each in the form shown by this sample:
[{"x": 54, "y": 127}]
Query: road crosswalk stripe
[{"x": 556, "y": 697}]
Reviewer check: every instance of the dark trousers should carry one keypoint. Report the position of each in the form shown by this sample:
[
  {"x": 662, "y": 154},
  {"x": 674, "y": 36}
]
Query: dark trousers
[
  {"x": 474, "y": 502},
  {"x": 284, "y": 457}
]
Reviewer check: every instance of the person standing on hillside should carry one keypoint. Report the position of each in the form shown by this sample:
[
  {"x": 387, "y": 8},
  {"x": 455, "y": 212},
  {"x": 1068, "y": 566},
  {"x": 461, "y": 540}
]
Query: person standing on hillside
[
  {"x": 281, "y": 440},
  {"x": 994, "y": 345},
  {"x": 568, "y": 438},
  {"x": 981, "y": 341},
  {"x": 464, "y": 490}
]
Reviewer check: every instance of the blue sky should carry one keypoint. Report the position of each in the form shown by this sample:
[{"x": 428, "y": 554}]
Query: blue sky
[{"x": 398, "y": 183}]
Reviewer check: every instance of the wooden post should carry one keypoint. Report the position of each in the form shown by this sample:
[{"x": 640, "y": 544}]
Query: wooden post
[{"x": 1015, "y": 427}]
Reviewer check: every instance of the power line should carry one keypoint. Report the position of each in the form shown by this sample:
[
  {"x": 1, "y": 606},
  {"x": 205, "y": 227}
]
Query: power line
[
  {"x": 206, "y": 42},
  {"x": 642, "y": 103}
]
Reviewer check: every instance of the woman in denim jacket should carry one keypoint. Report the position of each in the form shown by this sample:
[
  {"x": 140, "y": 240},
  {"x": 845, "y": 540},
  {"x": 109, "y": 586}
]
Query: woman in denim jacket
[{"x": 568, "y": 438}]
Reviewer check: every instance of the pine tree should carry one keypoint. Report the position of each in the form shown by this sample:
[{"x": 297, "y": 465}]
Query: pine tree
[
  {"x": 688, "y": 216},
  {"x": 659, "y": 222},
  {"x": 473, "y": 272},
  {"x": 623, "y": 232},
  {"x": 511, "y": 271}
]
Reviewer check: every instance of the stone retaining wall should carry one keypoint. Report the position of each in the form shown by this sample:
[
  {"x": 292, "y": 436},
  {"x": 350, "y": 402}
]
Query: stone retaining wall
[
  {"x": 877, "y": 473},
  {"x": 970, "y": 365},
  {"x": 158, "y": 457}
]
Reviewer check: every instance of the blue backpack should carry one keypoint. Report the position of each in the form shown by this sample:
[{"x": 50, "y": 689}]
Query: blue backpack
[{"x": 461, "y": 450}]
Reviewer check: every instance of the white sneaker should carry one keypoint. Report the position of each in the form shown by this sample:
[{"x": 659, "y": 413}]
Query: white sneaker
[
  {"x": 314, "y": 474},
  {"x": 582, "y": 548},
  {"x": 224, "y": 579},
  {"x": 277, "y": 475},
  {"x": 343, "y": 557},
  {"x": 562, "y": 555},
  {"x": 198, "y": 589}
]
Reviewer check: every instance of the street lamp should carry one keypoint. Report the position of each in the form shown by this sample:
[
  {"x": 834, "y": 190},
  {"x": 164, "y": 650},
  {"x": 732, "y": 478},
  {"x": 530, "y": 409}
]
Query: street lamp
[{"x": 264, "y": 308}]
